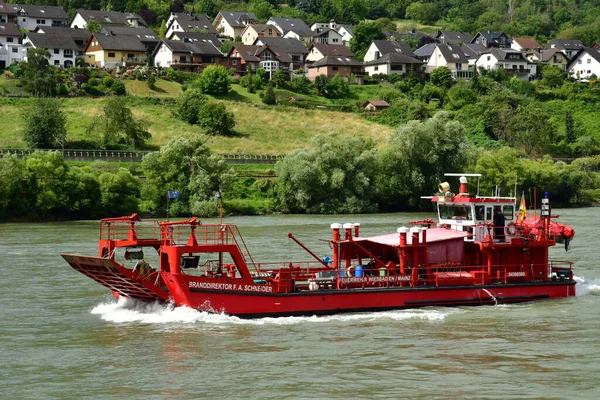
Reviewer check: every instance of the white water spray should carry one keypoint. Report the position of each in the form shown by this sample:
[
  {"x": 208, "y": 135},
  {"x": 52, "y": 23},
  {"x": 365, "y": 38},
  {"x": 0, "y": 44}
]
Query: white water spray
[{"x": 491, "y": 296}]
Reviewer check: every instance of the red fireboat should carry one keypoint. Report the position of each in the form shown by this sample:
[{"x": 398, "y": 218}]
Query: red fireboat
[{"x": 480, "y": 252}]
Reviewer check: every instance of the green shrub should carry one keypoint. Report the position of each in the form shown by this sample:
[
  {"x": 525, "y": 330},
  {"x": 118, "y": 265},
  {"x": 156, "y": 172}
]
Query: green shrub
[
  {"x": 108, "y": 81},
  {"x": 118, "y": 88}
]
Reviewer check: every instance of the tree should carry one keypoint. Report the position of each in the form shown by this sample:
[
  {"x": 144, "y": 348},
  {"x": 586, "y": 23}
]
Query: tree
[
  {"x": 162, "y": 30},
  {"x": 531, "y": 128},
  {"x": 364, "y": 33},
  {"x": 300, "y": 84},
  {"x": 335, "y": 176},
  {"x": 38, "y": 79},
  {"x": 215, "y": 119},
  {"x": 185, "y": 164},
  {"x": 337, "y": 88},
  {"x": 425, "y": 13},
  {"x": 441, "y": 76},
  {"x": 45, "y": 124},
  {"x": 416, "y": 157},
  {"x": 261, "y": 8},
  {"x": 269, "y": 96},
  {"x": 119, "y": 192},
  {"x": 208, "y": 7},
  {"x": 279, "y": 78},
  {"x": 118, "y": 127},
  {"x": 93, "y": 26},
  {"x": 570, "y": 136},
  {"x": 321, "y": 83},
  {"x": 189, "y": 104},
  {"x": 226, "y": 46},
  {"x": 552, "y": 76},
  {"x": 214, "y": 80}
]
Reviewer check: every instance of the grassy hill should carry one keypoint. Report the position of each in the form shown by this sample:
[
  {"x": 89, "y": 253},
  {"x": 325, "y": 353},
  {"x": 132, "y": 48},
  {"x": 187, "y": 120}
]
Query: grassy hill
[{"x": 260, "y": 129}]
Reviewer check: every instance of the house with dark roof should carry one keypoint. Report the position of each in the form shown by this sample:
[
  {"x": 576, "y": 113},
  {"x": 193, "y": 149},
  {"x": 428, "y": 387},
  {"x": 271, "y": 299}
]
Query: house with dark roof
[
  {"x": 525, "y": 44},
  {"x": 473, "y": 51},
  {"x": 318, "y": 50},
  {"x": 585, "y": 64},
  {"x": 552, "y": 57},
  {"x": 453, "y": 37},
  {"x": 379, "y": 48},
  {"x": 10, "y": 46},
  {"x": 106, "y": 19},
  {"x": 193, "y": 37},
  {"x": 232, "y": 23},
  {"x": 492, "y": 39},
  {"x": 186, "y": 56},
  {"x": 347, "y": 32},
  {"x": 292, "y": 28},
  {"x": 327, "y": 36},
  {"x": 451, "y": 56},
  {"x": 424, "y": 52},
  {"x": 112, "y": 51},
  {"x": 62, "y": 48},
  {"x": 513, "y": 62},
  {"x": 8, "y": 12},
  {"x": 244, "y": 58},
  {"x": 393, "y": 63},
  {"x": 568, "y": 46},
  {"x": 331, "y": 66},
  {"x": 182, "y": 22},
  {"x": 79, "y": 36},
  {"x": 255, "y": 31},
  {"x": 146, "y": 35},
  {"x": 293, "y": 47},
  {"x": 30, "y": 16}
]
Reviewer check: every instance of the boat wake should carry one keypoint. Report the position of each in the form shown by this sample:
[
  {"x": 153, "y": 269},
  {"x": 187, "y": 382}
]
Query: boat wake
[
  {"x": 133, "y": 311},
  {"x": 585, "y": 287}
]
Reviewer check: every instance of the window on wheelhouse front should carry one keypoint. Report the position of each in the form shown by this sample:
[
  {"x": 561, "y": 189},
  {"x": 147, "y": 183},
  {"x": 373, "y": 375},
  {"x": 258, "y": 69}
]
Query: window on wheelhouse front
[{"x": 455, "y": 212}]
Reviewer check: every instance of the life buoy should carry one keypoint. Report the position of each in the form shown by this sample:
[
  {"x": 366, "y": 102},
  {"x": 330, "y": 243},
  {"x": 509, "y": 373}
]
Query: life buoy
[{"x": 511, "y": 229}]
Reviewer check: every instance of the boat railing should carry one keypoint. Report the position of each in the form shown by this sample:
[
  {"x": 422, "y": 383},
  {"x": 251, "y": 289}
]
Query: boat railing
[{"x": 129, "y": 230}]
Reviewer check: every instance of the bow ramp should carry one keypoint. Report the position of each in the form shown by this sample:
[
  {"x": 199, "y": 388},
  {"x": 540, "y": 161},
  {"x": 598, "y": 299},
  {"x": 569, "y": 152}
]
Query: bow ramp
[{"x": 141, "y": 283}]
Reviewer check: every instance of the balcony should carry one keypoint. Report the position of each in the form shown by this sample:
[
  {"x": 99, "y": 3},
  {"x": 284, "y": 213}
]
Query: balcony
[
  {"x": 462, "y": 74},
  {"x": 517, "y": 71},
  {"x": 133, "y": 61}
]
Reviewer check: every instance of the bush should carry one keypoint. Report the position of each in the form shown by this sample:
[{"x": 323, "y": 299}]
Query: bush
[
  {"x": 269, "y": 95},
  {"x": 188, "y": 106},
  {"x": 151, "y": 81},
  {"x": 214, "y": 80},
  {"x": 215, "y": 118},
  {"x": 92, "y": 82},
  {"x": 63, "y": 90},
  {"x": 118, "y": 88},
  {"x": 108, "y": 81}
]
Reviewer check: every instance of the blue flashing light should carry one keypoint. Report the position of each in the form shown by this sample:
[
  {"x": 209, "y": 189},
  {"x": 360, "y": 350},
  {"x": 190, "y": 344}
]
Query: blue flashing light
[{"x": 546, "y": 194}]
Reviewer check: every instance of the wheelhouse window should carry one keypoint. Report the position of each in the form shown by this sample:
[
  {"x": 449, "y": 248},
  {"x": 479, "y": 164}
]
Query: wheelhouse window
[{"x": 455, "y": 212}]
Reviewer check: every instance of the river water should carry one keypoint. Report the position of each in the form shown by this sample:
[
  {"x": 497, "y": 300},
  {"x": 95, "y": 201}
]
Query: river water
[{"x": 63, "y": 336}]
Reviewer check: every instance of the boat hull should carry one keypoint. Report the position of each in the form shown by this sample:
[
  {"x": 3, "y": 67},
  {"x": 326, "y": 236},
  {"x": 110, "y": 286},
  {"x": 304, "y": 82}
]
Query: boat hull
[{"x": 251, "y": 305}]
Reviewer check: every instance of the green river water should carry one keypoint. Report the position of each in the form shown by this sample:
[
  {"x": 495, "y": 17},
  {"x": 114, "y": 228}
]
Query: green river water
[{"x": 63, "y": 336}]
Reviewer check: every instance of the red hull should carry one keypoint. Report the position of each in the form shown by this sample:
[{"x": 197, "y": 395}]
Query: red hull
[{"x": 250, "y": 305}]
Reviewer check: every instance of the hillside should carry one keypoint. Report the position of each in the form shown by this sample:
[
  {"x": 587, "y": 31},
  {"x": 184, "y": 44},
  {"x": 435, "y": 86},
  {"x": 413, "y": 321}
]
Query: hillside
[{"x": 260, "y": 129}]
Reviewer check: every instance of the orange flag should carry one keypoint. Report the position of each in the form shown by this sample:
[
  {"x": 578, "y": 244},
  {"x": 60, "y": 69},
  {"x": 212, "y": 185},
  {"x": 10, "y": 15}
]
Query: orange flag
[{"x": 523, "y": 207}]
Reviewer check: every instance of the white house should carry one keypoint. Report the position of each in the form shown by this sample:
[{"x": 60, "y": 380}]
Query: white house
[
  {"x": 451, "y": 56},
  {"x": 327, "y": 36},
  {"x": 232, "y": 23},
  {"x": 10, "y": 48},
  {"x": 106, "y": 19},
  {"x": 393, "y": 63},
  {"x": 585, "y": 63},
  {"x": 30, "y": 16},
  {"x": 319, "y": 50},
  {"x": 62, "y": 48},
  {"x": 347, "y": 32},
  {"x": 512, "y": 61},
  {"x": 379, "y": 48},
  {"x": 181, "y": 22},
  {"x": 186, "y": 56}
]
